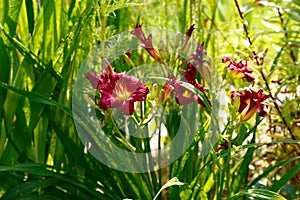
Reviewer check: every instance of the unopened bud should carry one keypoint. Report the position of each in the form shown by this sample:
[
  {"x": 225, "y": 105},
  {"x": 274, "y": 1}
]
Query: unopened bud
[
  {"x": 163, "y": 95},
  {"x": 154, "y": 91},
  {"x": 236, "y": 102},
  {"x": 108, "y": 68}
]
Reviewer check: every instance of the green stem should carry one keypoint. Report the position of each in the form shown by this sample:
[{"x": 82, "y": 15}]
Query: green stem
[
  {"x": 122, "y": 138},
  {"x": 228, "y": 167}
]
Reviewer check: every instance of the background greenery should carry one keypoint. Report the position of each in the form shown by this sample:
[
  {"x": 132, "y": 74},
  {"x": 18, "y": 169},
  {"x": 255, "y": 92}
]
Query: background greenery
[{"x": 44, "y": 43}]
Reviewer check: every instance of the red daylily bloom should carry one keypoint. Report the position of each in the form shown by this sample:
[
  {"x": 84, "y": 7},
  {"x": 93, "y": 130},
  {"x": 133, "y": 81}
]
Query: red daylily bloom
[
  {"x": 123, "y": 93},
  {"x": 183, "y": 95},
  {"x": 191, "y": 76},
  {"x": 147, "y": 43},
  {"x": 198, "y": 62},
  {"x": 250, "y": 103},
  {"x": 240, "y": 70},
  {"x": 117, "y": 89}
]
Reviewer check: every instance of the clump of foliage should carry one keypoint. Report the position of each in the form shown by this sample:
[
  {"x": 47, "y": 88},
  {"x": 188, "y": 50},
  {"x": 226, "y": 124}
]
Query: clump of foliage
[{"x": 246, "y": 52}]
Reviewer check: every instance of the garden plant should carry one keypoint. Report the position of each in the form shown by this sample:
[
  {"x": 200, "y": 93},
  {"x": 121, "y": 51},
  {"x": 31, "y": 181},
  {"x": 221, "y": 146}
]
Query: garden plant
[{"x": 129, "y": 99}]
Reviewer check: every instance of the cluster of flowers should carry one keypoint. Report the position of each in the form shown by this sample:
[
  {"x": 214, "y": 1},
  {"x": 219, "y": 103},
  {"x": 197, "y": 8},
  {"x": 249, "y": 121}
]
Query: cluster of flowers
[
  {"x": 250, "y": 102},
  {"x": 173, "y": 86},
  {"x": 120, "y": 90}
]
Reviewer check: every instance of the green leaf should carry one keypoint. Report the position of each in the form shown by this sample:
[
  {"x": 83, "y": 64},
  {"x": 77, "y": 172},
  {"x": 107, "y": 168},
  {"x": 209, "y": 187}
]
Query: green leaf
[
  {"x": 296, "y": 2},
  {"x": 30, "y": 57},
  {"x": 30, "y": 15},
  {"x": 243, "y": 171},
  {"x": 258, "y": 194},
  {"x": 276, "y": 59},
  {"x": 4, "y": 7},
  {"x": 23, "y": 29},
  {"x": 5, "y": 71},
  {"x": 37, "y": 97},
  {"x": 28, "y": 187},
  {"x": 221, "y": 11},
  {"x": 32, "y": 168},
  {"x": 270, "y": 169},
  {"x": 13, "y": 16},
  {"x": 40, "y": 137},
  {"x": 286, "y": 177},
  {"x": 174, "y": 181},
  {"x": 43, "y": 89}
]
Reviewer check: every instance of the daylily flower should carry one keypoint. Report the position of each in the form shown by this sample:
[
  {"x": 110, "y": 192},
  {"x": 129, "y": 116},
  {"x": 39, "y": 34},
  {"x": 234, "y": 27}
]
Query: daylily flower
[
  {"x": 146, "y": 43},
  {"x": 183, "y": 95},
  {"x": 191, "y": 76},
  {"x": 197, "y": 56},
  {"x": 240, "y": 70},
  {"x": 188, "y": 34},
  {"x": 197, "y": 59},
  {"x": 117, "y": 89},
  {"x": 250, "y": 103},
  {"x": 123, "y": 93}
]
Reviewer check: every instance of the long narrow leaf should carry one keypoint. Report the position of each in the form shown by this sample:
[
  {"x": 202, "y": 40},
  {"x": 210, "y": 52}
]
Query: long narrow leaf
[
  {"x": 286, "y": 177},
  {"x": 37, "y": 97}
]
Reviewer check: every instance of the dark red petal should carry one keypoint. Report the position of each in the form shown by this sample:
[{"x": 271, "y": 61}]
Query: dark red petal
[
  {"x": 235, "y": 93},
  {"x": 139, "y": 94},
  {"x": 226, "y": 59},
  {"x": 138, "y": 32},
  {"x": 106, "y": 101},
  {"x": 200, "y": 50},
  {"x": 181, "y": 100},
  {"x": 128, "y": 53},
  {"x": 243, "y": 105},
  {"x": 232, "y": 67},
  {"x": 190, "y": 30},
  {"x": 249, "y": 77},
  {"x": 127, "y": 107},
  {"x": 200, "y": 87},
  {"x": 241, "y": 65},
  {"x": 188, "y": 34},
  {"x": 93, "y": 78},
  {"x": 261, "y": 111},
  {"x": 199, "y": 101}
]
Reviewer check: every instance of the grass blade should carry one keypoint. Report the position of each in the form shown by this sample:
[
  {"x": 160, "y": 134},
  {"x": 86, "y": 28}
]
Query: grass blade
[
  {"x": 286, "y": 177},
  {"x": 261, "y": 194},
  {"x": 37, "y": 98},
  {"x": 270, "y": 169},
  {"x": 170, "y": 183}
]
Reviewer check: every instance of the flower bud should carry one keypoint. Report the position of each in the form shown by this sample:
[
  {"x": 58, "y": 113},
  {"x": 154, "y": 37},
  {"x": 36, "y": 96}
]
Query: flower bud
[
  {"x": 154, "y": 91},
  {"x": 236, "y": 102}
]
